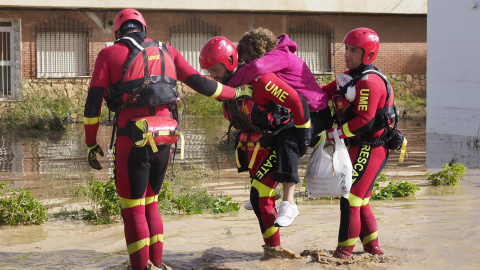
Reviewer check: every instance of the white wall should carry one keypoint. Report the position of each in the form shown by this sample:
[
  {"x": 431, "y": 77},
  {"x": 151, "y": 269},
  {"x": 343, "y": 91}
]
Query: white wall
[{"x": 453, "y": 67}]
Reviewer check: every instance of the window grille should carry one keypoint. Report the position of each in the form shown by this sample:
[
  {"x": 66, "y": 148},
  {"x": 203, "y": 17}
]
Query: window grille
[
  {"x": 315, "y": 44},
  {"x": 189, "y": 37},
  {"x": 6, "y": 60},
  {"x": 62, "y": 49}
]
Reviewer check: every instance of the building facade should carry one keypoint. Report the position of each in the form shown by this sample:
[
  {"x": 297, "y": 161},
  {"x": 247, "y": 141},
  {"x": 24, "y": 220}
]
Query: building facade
[{"x": 54, "y": 48}]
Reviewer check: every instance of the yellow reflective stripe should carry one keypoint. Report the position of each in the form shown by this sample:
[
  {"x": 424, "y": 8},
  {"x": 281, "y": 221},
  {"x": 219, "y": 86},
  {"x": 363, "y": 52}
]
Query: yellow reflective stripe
[
  {"x": 156, "y": 238},
  {"x": 91, "y": 120},
  {"x": 369, "y": 238},
  {"x": 263, "y": 190},
  {"x": 236, "y": 155},
  {"x": 349, "y": 242},
  {"x": 306, "y": 125},
  {"x": 269, "y": 232},
  {"x": 129, "y": 203},
  {"x": 218, "y": 91},
  {"x": 403, "y": 150},
  {"x": 149, "y": 137},
  {"x": 365, "y": 201},
  {"x": 254, "y": 156},
  {"x": 347, "y": 131},
  {"x": 151, "y": 199},
  {"x": 182, "y": 144},
  {"x": 136, "y": 246},
  {"x": 354, "y": 200}
]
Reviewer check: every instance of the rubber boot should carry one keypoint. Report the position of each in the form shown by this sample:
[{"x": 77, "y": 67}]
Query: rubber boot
[
  {"x": 343, "y": 252},
  {"x": 372, "y": 247}
]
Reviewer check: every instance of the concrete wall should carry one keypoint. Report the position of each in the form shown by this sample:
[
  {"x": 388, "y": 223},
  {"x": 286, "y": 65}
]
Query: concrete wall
[
  {"x": 453, "y": 110},
  {"x": 453, "y": 67}
]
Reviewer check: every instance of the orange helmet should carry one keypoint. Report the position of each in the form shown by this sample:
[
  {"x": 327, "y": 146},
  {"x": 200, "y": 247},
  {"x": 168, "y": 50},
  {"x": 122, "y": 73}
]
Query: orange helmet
[
  {"x": 366, "y": 39},
  {"x": 128, "y": 15},
  {"x": 218, "y": 50}
]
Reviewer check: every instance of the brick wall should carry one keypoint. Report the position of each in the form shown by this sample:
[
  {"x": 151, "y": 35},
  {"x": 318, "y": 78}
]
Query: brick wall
[{"x": 402, "y": 50}]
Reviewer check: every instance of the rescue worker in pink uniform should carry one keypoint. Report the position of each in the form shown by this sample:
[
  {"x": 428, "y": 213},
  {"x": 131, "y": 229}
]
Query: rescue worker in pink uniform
[{"x": 141, "y": 74}]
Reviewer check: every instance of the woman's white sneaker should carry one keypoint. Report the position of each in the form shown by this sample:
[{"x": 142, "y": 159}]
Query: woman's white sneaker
[{"x": 286, "y": 214}]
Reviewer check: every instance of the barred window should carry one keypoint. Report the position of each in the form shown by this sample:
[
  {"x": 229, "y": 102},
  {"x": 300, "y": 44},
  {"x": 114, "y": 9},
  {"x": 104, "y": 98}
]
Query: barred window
[
  {"x": 189, "y": 37},
  {"x": 315, "y": 44},
  {"x": 6, "y": 59},
  {"x": 62, "y": 49}
]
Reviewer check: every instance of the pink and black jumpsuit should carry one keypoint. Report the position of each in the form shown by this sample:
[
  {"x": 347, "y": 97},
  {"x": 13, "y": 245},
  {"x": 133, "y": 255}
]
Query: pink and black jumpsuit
[
  {"x": 357, "y": 124},
  {"x": 139, "y": 172}
]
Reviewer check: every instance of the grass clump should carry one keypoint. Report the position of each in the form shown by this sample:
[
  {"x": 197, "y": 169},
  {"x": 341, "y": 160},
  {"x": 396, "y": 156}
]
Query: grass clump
[
  {"x": 18, "y": 207},
  {"x": 200, "y": 105},
  {"x": 103, "y": 199},
  {"x": 450, "y": 175},
  {"x": 38, "y": 112},
  {"x": 393, "y": 189},
  {"x": 188, "y": 195}
]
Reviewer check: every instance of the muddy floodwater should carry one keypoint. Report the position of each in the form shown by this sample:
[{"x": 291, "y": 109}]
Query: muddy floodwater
[{"x": 437, "y": 228}]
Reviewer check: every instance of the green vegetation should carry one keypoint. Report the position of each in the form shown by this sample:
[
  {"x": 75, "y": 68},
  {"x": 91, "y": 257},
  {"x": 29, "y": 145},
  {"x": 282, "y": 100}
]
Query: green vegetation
[
  {"x": 199, "y": 105},
  {"x": 18, "y": 207},
  {"x": 38, "y": 112},
  {"x": 449, "y": 176},
  {"x": 103, "y": 199},
  {"x": 407, "y": 97},
  {"x": 393, "y": 189},
  {"x": 185, "y": 195}
]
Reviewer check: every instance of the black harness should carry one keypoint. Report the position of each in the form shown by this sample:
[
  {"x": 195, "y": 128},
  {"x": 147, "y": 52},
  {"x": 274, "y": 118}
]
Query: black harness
[{"x": 383, "y": 117}]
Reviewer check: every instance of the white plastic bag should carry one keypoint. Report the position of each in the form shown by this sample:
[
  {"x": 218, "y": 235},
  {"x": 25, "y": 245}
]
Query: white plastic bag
[{"x": 329, "y": 172}]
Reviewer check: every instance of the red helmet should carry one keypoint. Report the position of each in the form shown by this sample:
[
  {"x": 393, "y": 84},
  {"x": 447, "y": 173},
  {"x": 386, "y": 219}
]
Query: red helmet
[
  {"x": 218, "y": 50},
  {"x": 127, "y": 15},
  {"x": 366, "y": 39}
]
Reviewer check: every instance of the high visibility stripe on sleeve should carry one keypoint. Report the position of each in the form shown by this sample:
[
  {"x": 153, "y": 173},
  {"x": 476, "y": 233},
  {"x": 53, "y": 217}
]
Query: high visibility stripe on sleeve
[
  {"x": 218, "y": 91},
  {"x": 306, "y": 125},
  {"x": 347, "y": 131},
  {"x": 91, "y": 120}
]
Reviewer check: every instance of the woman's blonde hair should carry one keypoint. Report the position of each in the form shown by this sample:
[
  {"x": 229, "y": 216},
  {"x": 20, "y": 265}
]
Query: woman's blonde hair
[{"x": 257, "y": 43}]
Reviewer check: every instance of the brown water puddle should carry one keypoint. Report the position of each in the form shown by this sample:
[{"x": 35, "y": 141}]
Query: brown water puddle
[{"x": 435, "y": 229}]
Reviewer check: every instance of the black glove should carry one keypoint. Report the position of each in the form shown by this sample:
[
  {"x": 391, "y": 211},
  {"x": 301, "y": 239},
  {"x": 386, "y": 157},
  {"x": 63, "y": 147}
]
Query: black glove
[
  {"x": 92, "y": 156},
  {"x": 303, "y": 136}
]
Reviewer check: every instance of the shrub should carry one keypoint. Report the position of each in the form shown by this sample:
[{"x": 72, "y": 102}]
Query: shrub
[
  {"x": 450, "y": 175},
  {"x": 20, "y": 208},
  {"x": 104, "y": 201},
  {"x": 393, "y": 189}
]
